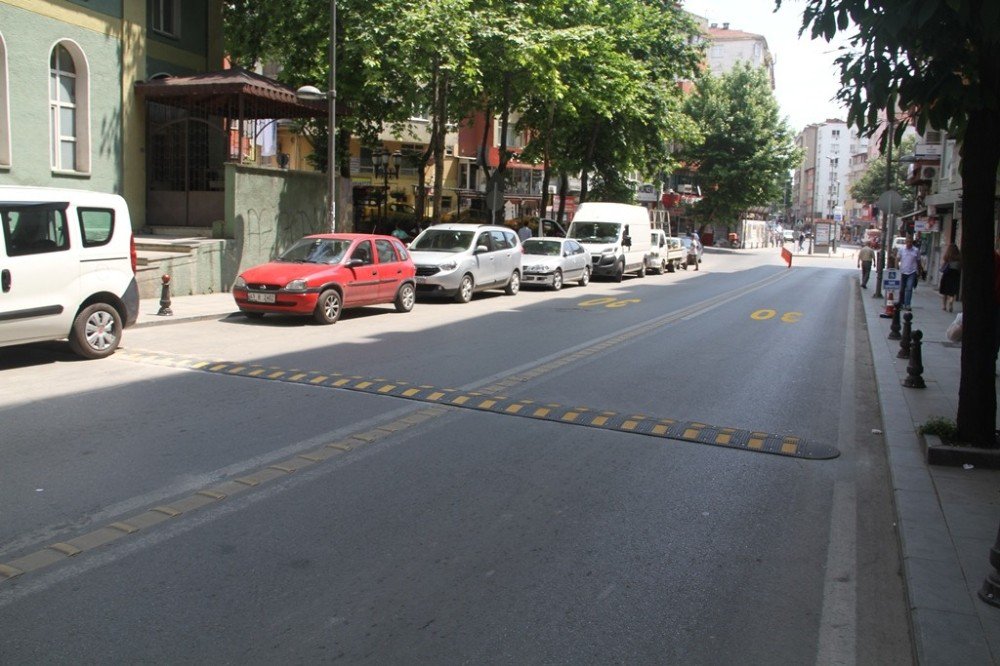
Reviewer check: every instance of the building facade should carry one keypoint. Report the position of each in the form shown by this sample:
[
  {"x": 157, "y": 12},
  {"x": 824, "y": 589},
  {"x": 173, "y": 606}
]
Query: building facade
[
  {"x": 821, "y": 184},
  {"x": 68, "y": 111}
]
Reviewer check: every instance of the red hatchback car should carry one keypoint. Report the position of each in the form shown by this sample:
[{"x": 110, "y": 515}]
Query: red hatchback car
[{"x": 321, "y": 275}]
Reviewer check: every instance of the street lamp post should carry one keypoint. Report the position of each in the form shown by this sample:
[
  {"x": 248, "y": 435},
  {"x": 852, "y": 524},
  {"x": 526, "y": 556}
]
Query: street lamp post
[
  {"x": 314, "y": 93},
  {"x": 381, "y": 161}
]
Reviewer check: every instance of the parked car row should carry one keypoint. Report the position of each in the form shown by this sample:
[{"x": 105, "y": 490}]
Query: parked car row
[
  {"x": 322, "y": 274},
  {"x": 68, "y": 261}
]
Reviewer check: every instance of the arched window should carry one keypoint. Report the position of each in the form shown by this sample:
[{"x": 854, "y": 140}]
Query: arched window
[
  {"x": 69, "y": 109},
  {"x": 4, "y": 108}
]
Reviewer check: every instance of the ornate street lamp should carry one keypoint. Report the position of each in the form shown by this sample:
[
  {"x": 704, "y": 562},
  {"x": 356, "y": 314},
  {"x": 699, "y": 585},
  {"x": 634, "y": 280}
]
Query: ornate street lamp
[{"x": 384, "y": 162}]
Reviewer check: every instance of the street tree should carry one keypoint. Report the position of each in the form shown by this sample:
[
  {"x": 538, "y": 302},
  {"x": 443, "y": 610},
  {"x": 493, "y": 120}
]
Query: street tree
[
  {"x": 938, "y": 61},
  {"x": 870, "y": 186},
  {"x": 746, "y": 148},
  {"x": 620, "y": 106}
]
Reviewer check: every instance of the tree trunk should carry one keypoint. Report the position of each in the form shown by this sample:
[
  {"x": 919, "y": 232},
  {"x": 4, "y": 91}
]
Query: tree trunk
[
  {"x": 977, "y": 400},
  {"x": 437, "y": 138},
  {"x": 345, "y": 201},
  {"x": 563, "y": 193},
  {"x": 589, "y": 160},
  {"x": 546, "y": 166}
]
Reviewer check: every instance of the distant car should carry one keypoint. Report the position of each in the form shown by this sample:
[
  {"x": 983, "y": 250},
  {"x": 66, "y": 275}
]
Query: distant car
[
  {"x": 788, "y": 235},
  {"x": 553, "y": 261},
  {"x": 321, "y": 275},
  {"x": 460, "y": 259}
]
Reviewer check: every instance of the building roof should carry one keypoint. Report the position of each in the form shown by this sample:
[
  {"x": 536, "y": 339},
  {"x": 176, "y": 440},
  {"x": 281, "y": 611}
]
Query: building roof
[
  {"x": 727, "y": 34},
  {"x": 234, "y": 92}
]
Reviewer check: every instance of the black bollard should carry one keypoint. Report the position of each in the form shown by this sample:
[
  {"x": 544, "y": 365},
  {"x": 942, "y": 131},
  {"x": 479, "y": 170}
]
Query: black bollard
[
  {"x": 990, "y": 591},
  {"x": 904, "y": 342},
  {"x": 165, "y": 310},
  {"x": 916, "y": 367},
  {"x": 894, "y": 326}
]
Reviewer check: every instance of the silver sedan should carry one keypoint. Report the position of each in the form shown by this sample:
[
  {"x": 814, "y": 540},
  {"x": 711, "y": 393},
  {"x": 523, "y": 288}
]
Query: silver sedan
[{"x": 551, "y": 262}]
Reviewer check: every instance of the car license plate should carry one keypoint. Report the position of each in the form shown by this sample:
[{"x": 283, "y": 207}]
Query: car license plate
[{"x": 260, "y": 297}]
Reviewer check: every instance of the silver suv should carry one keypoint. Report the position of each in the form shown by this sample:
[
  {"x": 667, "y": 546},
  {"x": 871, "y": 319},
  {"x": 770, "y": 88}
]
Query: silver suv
[{"x": 461, "y": 259}]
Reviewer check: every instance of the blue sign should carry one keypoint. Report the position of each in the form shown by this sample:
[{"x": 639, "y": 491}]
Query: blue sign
[{"x": 890, "y": 279}]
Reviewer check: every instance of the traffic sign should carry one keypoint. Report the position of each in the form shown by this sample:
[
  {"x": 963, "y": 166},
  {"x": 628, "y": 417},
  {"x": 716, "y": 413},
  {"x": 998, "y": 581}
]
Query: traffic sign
[
  {"x": 890, "y": 201},
  {"x": 890, "y": 279}
]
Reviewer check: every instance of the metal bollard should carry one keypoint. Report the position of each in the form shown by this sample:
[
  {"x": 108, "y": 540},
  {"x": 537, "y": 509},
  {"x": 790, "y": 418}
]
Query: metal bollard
[
  {"x": 894, "y": 326},
  {"x": 905, "y": 341},
  {"x": 165, "y": 310},
  {"x": 916, "y": 367}
]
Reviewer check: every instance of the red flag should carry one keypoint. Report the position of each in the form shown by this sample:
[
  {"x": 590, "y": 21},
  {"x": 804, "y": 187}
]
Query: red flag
[{"x": 787, "y": 256}]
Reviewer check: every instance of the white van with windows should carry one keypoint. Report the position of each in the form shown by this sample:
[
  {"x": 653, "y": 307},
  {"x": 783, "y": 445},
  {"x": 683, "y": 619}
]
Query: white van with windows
[
  {"x": 67, "y": 268},
  {"x": 618, "y": 237}
]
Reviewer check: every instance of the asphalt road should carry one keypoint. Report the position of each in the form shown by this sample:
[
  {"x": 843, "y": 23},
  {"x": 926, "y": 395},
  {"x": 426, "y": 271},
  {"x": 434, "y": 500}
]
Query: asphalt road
[{"x": 515, "y": 480}]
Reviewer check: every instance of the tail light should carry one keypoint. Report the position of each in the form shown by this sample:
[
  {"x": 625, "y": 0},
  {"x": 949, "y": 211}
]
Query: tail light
[{"x": 131, "y": 252}]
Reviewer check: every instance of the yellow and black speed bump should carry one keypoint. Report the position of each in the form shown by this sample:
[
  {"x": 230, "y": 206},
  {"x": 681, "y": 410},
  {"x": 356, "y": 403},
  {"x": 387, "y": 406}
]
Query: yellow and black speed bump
[{"x": 689, "y": 431}]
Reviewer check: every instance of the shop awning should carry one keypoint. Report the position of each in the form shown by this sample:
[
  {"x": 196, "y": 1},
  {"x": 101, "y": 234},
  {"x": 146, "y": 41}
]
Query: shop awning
[{"x": 916, "y": 213}]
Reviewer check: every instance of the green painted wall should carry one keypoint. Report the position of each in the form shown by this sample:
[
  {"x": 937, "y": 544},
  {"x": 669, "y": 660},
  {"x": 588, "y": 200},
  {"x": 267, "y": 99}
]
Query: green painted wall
[
  {"x": 267, "y": 210},
  {"x": 193, "y": 32},
  {"x": 29, "y": 38},
  {"x": 109, "y": 7}
]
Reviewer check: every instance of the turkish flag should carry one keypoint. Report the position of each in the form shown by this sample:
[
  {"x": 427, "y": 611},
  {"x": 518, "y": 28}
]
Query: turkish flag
[{"x": 787, "y": 256}]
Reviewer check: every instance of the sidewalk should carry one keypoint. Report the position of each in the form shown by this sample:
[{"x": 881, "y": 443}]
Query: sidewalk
[
  {"x": 947, "y": 516},
  {"x": 186, "y": 308}
]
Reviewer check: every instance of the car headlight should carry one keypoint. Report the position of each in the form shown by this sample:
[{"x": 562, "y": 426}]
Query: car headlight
[
  {"x": 543, "y": 268},
  {"x": 449, "y": 265},
  {"x": 609, "y": 253},
  {"x": 296, "y": 285},
  {"x": 240, "y": 283}
]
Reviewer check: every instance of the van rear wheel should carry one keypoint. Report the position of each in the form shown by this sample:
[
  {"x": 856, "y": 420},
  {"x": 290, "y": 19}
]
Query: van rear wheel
[{"x": 96, "y": 331}]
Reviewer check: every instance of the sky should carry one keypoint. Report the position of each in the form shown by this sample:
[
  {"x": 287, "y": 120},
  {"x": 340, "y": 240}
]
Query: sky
[{"x": 806, "y": 77}]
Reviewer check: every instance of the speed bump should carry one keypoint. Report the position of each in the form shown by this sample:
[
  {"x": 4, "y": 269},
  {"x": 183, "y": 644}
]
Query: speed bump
[{"x": 483, "y": 401}]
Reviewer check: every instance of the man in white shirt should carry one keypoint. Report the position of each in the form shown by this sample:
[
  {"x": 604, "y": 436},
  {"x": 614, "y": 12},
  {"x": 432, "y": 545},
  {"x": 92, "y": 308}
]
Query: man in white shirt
[{"x": 909, "y": 270}]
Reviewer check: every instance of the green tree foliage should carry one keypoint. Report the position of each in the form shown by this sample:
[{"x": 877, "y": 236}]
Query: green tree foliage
[
  {"x": 939, "y": 61},
  {"x": 871, "y": 185},
  {"x": 593, "y": 83},
  {"x": 746, "y": 149}
]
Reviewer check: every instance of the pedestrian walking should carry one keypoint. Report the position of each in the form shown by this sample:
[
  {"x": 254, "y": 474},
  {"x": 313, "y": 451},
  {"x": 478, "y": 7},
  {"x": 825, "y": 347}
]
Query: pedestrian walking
[
  {"x": 692, "y": 257},
  {"x": 909, "y": 270},
  {"x": 866, "y": 255},
  {"x": 524, "y": 231},
  {"x": 951, "y": 277},
  {"x": 802, "y": 240}
]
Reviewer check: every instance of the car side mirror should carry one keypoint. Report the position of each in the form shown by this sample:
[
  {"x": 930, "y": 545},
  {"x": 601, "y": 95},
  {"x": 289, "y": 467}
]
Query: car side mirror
[
  {"x": 481, "y": 248},
  {"x": 355, "y": 263}
]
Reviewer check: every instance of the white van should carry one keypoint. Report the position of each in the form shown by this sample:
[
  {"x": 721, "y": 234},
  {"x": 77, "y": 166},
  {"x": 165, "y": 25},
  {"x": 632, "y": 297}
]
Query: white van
[
  {"x": 67, "y": 268},
  {"x": 616, "y": 235}
]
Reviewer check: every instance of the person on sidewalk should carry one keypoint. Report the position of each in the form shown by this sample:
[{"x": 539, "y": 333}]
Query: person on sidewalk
[
  {"x": 909, "y": 271},
  {"x": 951, "y": 276},
  {"x": 866, "y": 255},
  {"x": 802, "y": 240}
]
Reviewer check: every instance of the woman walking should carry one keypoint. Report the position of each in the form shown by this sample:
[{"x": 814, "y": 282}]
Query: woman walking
[{"x": 951, "y": 275}]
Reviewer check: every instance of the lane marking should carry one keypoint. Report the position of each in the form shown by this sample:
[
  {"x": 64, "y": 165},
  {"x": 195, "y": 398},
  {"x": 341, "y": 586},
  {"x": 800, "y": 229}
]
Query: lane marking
[{"x": 666, "y": 429}]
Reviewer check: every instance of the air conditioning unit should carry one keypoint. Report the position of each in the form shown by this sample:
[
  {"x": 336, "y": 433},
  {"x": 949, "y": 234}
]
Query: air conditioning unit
[{"x": 928, "y": 173}]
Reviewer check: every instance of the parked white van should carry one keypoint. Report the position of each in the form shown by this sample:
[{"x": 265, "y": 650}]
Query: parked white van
[
  {"x": 616, "y": 235},
  {"x": 67, "y": 268}
]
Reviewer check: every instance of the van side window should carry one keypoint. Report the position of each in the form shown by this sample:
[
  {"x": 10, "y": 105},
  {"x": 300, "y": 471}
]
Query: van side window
[
  {"x": 96, "y": 226},
  {"x": 33, "y": 229}
]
